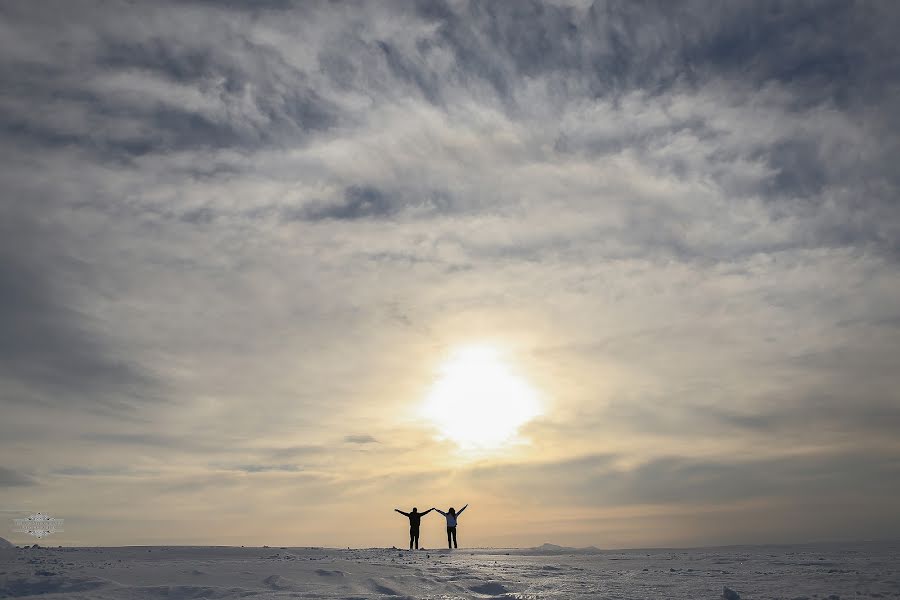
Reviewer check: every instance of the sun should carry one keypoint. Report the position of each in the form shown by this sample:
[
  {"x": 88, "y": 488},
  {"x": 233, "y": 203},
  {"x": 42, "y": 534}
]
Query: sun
[{"x": 478, "y": 400}]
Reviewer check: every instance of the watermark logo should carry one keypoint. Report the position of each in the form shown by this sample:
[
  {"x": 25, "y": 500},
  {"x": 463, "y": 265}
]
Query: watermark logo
[{"x": 38, "y": 525}]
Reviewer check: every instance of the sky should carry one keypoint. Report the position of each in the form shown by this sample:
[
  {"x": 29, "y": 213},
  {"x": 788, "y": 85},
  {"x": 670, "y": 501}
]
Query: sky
[{"x": 621, "y": 274}]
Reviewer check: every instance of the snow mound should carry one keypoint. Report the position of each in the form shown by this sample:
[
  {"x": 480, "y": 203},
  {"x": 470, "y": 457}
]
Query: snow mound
[
  {"x": 277, "y": 582},
  {"x": 38, "y": 585},
  {"x": 381, "y": 588},
  {"x": 489, "y": 589},
  {"x": 730, "y": 594}
]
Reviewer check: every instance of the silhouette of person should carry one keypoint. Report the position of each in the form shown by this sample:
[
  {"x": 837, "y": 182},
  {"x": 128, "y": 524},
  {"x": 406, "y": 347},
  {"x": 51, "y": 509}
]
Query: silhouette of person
[
  {"x": 415, "y": 517},
  {"x": 451, "y": 515}
]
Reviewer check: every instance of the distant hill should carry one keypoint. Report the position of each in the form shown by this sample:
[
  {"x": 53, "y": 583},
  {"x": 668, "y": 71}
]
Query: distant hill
[
  {"x": 4, "y": 544},
  {"x": 553, "y": 548}
]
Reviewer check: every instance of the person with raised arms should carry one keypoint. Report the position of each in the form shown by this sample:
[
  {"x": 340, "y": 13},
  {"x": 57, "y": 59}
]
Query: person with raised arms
[
  {"x": 415, "y": 518},
  {"x": 451, "y": 516}
]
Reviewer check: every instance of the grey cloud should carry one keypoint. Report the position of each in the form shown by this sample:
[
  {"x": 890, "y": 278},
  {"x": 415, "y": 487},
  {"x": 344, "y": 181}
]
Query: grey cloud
[
  {"x": 265, "y": 468},
  {"x": 847, "y": 388},
  {"x": 197, "y": 445},
  {"x": 310, "y": 487},
  {"x": 199, "y": 216},
  {"x": 139, "y": 92},
  {"x": 47, "y": 349},
  {"x": 81, "y": 471},
  {"x": 360, "y": 439},
  {"x": 597, "y": 480},
  {"x": 677, "y": 480},
  {"x": 13, "y": 478},
  {"x": 156, "y": 439},
  {"x": 614, "y": 46},
  {"x": 359, "y": 202},
  {"x": 659, "y": 47},
  {"x": 294, "y": 452},
  {"x": 366, "y": 202},
  {"x": 800, "y": 170},
  {"x": 799, "y": 416}
]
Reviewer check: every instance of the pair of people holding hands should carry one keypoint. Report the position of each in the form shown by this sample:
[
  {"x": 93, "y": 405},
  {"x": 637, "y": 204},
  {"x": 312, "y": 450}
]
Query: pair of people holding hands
[{"x": 415, "y": 518}]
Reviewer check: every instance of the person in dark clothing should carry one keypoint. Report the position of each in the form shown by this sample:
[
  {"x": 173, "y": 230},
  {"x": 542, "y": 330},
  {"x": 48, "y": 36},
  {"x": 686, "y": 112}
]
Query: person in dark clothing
[
  {"x": 415, "y": 517},
  {"x": 451, "y": 524}
]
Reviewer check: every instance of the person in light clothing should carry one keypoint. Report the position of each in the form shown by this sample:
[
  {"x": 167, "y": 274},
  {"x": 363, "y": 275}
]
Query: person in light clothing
[{"x": 451, "y": 516}]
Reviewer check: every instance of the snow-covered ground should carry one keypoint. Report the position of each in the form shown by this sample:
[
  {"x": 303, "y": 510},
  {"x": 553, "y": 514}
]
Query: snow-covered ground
[{"x": 870, "y": 570}]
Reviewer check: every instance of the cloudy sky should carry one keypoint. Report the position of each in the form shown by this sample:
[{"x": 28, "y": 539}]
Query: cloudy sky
[{"x": 244, "y": 247}]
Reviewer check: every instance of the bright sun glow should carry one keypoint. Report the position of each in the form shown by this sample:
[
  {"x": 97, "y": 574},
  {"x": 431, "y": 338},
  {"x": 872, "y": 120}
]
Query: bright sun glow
[{"x": 478, "y": 401}]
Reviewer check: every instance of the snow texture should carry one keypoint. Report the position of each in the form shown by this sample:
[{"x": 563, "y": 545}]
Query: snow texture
[{"x": 820, "y": 572}]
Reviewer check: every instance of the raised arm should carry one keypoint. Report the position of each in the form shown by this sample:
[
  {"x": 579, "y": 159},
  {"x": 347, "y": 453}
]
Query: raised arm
[
  {"x": 440, "y": 511},
  {"x": 460, "y": 511},
  {"x": 401, "y": 512},
  {"x": 427, "y": 511}
]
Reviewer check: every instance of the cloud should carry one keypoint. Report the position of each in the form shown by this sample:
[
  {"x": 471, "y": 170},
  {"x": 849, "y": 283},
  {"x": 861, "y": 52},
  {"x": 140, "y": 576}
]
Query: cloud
[
  {"x": 359, "y": 203},
  {"x": 360, "y": 439},
  {"x": 600, "y": 480},
  {"x": 11, "y": 478},
  {"x": 266, "y": 468},
  {"x": 153, "y": 438},
  {"x": 49, "y": 348}
]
